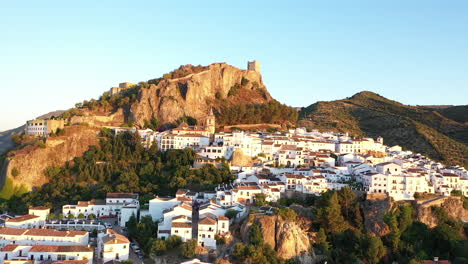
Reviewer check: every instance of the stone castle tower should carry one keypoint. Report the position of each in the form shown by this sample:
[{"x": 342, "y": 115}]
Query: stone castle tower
[
  {"x": 253, "y": 66},
  {"x": 210, "y": 122}
]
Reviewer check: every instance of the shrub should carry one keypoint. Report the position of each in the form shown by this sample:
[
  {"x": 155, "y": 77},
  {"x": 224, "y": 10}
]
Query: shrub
[
  {"x": 41, "y": 144},
  {"x": 233, "y": 90},
  {"x": 287, "y": 214},
  {"x": 220, "y": 240},
  {"x": 244, "y": 81},
  {"x": 81, "y": 216},
  {"x": 158, "y": 247},
  {"x": 14, "y": 172},
  {"x": 260, "y": 200},
  {"x": 173, "y": 242},
  {"x": 231, "y": 213},
  {"x": 188, "y": 248}
]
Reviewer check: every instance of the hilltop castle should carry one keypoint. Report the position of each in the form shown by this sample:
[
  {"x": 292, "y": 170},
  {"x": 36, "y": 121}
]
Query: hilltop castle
[{"x": 253, "y": 66}]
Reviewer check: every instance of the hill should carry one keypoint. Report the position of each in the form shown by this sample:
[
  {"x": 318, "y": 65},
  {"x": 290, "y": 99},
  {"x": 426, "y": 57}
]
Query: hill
[
  {"x": 419, "y": 129},
  {"x": 184, "y": 94},
  {"x": 237, "y": 96},
  {"x": 7, "y": 143},
  {"x": 458, "y": 113}
]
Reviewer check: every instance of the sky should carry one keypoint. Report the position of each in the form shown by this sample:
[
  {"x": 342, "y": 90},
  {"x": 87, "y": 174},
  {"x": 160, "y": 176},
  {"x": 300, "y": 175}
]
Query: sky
[{"x": 54, "y": 54}]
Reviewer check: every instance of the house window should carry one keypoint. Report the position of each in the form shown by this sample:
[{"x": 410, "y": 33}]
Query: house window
[{"x": 61, "y": 257}]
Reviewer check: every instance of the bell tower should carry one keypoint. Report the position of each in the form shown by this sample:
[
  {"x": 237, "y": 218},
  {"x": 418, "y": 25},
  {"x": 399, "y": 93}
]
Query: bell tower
[{"x": 210, "y": 122}]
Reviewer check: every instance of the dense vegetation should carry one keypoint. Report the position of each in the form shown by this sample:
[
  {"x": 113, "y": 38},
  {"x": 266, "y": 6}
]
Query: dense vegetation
[
  {"x": 341, "y": 237},
  {"x": 121, "y": 164},
  {"x": 272, "y": 112},
  {"x": 457, "y": 113},
  {"x": 414, "y": 128}
]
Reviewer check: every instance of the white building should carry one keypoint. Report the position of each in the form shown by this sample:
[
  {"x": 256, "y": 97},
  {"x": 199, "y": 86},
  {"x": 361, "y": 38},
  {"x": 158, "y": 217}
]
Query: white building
[
  {"x": 209, "y": 226},
  {"x": 42, "y": 236},
  {"x": 113, "y": 205},
  {"x": 113, "y": 246},
  {"x": 43, "y": 253}
]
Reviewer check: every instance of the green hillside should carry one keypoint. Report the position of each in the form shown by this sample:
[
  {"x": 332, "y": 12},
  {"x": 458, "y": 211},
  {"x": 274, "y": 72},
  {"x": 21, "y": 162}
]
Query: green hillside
[{"x": 415, "y": 128}]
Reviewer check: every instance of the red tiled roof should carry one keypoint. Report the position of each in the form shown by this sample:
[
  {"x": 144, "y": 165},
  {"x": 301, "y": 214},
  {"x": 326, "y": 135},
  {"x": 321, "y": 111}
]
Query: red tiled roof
[
  {"x": 22, "y": 218},
  {"x": 39, "y": 208},
  {"x": 61, "y": 248}
]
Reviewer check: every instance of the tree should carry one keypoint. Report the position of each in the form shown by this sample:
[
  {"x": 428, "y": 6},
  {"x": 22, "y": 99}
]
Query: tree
[
  {"x": 91, "y": 216},
  {"x": 260, "y": 200},
  {"x": 332, "y": 218},
  {"x": 358, "y": 220},
  {"x": 393, "y": 237},
  {"x": 231, "y": 213},
  {"x": 60, "y": 216},
  {"x": 188, "y": 248},
  {"x": 406, "y": 217},
  {"x": 321, "y": 241},
  {"x": 158, "y": 247},
  {"x": 255, "y": 235},
  {"x": 51, "y": 216},
  {"x": 81, "y": 216},
  {"x": 239, "y": 251},
  {"x": 71, "y": 216},
  {"x": 373, "y": 249},
  {"x": 346, "y": 198}
]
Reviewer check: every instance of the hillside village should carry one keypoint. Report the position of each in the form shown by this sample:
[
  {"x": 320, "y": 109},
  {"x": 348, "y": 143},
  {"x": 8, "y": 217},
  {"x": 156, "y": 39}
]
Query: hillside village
[{"x": 268, "y": 165}]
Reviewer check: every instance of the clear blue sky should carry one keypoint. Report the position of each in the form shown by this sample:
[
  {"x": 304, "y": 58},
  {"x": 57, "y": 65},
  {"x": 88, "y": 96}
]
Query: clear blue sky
[{"x": 56, "y": 53}]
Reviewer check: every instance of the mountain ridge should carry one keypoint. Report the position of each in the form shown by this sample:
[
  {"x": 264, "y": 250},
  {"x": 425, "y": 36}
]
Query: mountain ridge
[{"x": 370, "y": 114}]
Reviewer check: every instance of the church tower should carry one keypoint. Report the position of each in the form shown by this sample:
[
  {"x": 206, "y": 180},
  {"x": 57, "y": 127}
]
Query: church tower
[{"x": 210, "y": 122}]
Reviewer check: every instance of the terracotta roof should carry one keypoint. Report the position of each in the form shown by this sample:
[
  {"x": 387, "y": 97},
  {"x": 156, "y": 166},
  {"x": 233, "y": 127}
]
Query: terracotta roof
[
  {"x": 9, "y": 248},
  {"x": 182, "y": 225},
  {"x": 436, "y": 262},
  {"x": 122, "y": 195},
  {"x": 242, "y": 187},
  {"x": 22, "y": 218},
  {"x": 181, "y": 217},
  {"x": 40, "y": 232},
  {"x": 207, "y": 221},
  {"x": 62, "y": 248},
  {"x": 181, "y": 191},
  {"x": 84, "y": 261},
  {"x": 39, "y": 208},
  {"x": 114, "y": 238},
  {"x": 449, "y": 175},
  {"x": 222, "y": 217}
]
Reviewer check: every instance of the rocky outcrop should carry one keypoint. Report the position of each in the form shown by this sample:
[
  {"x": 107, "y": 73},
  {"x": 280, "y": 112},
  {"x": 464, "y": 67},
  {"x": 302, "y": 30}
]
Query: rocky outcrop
[
  {"x": 239, "y": 159},
  {"x": 194, "y": 94},
  {"x": 374, "y": 210},
  {"x": 452, "y": 205},
  {"x": 32, "y": 161},
  {"x": 286, "y": 237}
]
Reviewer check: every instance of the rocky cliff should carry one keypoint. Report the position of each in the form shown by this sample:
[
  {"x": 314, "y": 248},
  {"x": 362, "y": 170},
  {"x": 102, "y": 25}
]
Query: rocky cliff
[
  {"x": 194, "y": 94},
  {"x": 31, "y": 161},
  {"x": 452, "y": 205},
  {"x": 288, "y": 238},
  {"x": 374, "y": 209}
]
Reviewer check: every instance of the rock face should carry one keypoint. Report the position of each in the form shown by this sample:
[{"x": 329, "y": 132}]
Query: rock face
[
  {"x": 31, "y": 161},
  {"x": 374, "y": 211},
  {"x": 286, "y": 237},
  {"x": 194, "y": 94},
  {"x": 452, "y": 205}
]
